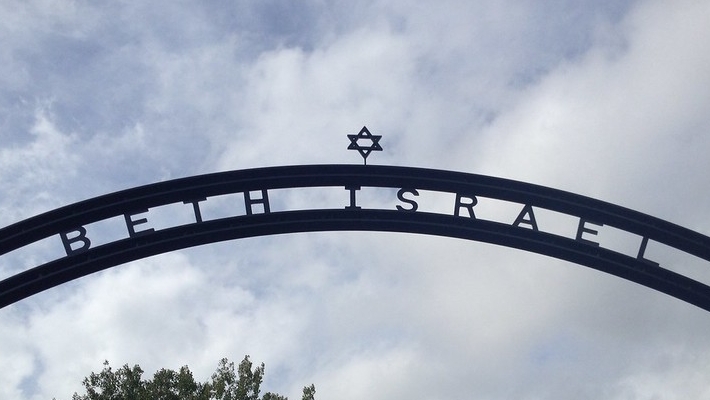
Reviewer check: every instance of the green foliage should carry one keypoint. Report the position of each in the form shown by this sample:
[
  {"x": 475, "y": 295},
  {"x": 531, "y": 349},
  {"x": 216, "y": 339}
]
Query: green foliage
[
  {"x": 309, "y": 392},
  {"x": 127, "y": 383}
]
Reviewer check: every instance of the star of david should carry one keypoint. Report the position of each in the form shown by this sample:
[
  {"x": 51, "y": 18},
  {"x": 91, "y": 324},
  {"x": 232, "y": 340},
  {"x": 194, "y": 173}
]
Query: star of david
[{"x": 365, "y": 151}]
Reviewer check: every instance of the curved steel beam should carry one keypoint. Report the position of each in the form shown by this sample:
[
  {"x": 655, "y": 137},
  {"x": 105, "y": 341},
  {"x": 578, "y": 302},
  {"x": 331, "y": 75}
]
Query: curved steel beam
[{"x": 73, "y": 266}]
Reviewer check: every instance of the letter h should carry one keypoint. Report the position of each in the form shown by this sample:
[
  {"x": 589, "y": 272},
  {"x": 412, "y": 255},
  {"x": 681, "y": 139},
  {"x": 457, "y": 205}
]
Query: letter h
[{"x": 264, "y": 200}]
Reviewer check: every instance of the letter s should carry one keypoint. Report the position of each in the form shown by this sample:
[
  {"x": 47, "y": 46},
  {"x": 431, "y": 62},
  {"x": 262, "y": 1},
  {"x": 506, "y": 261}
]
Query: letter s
[{"x": 412, "y": 203}]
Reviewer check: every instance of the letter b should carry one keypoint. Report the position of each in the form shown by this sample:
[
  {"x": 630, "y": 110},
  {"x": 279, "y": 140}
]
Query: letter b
[{"x": 80, "y": 237}]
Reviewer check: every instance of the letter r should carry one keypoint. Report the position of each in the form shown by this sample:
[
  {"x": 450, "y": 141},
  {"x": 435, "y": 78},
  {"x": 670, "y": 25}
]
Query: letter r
[{"x": 467, "y": 205}]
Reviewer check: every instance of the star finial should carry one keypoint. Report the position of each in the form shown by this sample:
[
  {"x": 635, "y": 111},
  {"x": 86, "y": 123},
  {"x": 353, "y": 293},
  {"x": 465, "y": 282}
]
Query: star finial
[{"x": 365, "y": 151}]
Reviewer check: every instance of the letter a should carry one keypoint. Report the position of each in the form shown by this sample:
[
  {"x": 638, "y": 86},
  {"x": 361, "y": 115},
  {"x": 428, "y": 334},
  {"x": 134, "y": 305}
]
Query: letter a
[
  {"x": 81, "y": 237},
  {"x": 526, "y": 211}
]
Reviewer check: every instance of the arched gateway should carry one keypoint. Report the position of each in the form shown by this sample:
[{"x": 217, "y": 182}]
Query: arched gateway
[{"x": 406, "y": 211}]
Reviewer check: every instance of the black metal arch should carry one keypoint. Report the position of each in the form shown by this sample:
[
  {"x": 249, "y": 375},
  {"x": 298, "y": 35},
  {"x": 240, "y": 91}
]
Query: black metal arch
[{"x": 582, "y": 252}]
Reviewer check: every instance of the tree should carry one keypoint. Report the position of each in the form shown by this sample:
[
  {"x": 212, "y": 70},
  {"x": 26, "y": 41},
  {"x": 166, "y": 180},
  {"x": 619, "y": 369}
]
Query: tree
[
  {"x": 126, "y": 383},
  {"x": 309, "y": 392}
]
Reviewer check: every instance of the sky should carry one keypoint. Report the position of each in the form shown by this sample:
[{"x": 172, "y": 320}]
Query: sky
[{"x": 608, "y": 99}]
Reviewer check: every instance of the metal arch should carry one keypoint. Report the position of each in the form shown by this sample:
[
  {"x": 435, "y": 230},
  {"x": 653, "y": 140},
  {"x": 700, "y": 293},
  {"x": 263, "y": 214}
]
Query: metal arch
[{"x": 57, "y": 272}]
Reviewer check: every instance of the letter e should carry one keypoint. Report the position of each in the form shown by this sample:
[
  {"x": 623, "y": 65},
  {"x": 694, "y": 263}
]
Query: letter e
[
  {"x": 582, "y": 229},
  {"x": 131, "y": 224}
]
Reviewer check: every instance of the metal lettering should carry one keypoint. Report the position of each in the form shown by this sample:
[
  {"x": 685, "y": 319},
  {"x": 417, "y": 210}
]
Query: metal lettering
[
  {"x": 131, "y": 223},
  {"x": 526, "y": 211},
  {"x": 264, "y": 201},
  {"x": 642, "y": 251},
  {"x": 80, "y": 237},
  {"x": 582, "y": 229},
  {"x": 469, "y": 206},
  {"x": 412, "y": 203},
  {"x": 353, "y": 201},
  {"x": 196, "y": 207}
]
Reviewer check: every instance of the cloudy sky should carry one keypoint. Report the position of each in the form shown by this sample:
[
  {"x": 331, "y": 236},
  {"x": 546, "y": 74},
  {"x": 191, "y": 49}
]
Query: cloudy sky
[{"x": 608, "y": 99}]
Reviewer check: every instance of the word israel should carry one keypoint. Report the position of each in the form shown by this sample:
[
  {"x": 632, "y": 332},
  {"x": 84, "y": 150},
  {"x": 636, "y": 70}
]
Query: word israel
[
  {"x": 135, "y": 223},
  {"x": 405, "y": 200}
]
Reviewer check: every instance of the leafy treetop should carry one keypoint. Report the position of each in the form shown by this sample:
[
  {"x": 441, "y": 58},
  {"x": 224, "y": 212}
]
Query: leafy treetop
[{"x": 126, "y": 383}]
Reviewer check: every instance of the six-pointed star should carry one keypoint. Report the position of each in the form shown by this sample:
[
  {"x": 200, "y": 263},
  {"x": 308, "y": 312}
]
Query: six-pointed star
[{"x": 365, "y": 151}]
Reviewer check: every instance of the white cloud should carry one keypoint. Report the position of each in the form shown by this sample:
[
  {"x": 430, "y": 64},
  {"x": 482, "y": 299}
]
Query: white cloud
[
  {"x": 607, "y": 100},
  {"x": 610, "y": 116},
  {"x": 32, "y": 172}
]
